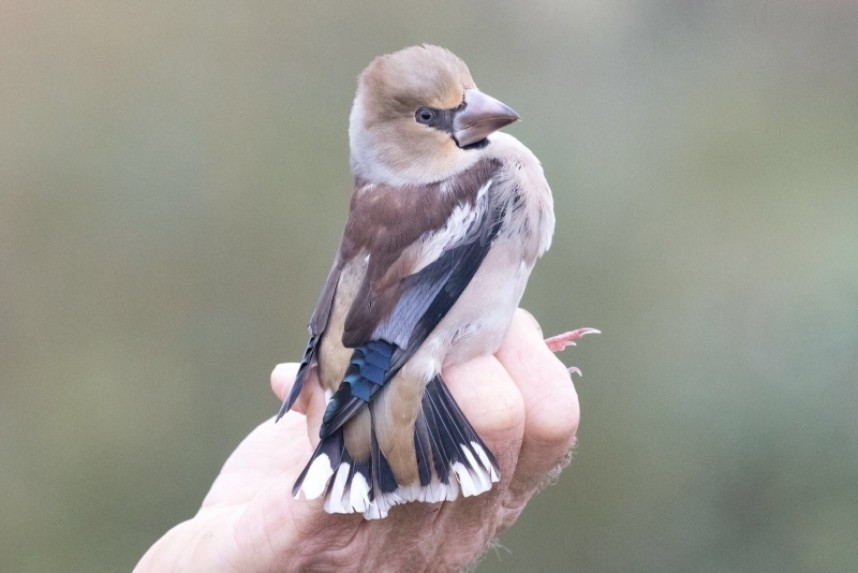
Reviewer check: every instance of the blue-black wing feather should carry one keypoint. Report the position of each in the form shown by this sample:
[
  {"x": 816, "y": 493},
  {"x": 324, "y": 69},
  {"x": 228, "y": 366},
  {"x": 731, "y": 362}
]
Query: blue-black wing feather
[{"x": 318, "y": 323}]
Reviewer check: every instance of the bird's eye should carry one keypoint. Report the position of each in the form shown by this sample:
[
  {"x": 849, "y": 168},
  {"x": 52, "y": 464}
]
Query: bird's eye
[{"x": 425, "y": 115}]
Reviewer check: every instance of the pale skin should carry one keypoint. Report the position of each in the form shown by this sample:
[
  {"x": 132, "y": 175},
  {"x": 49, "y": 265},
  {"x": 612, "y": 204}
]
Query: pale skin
[{"x": 521, "y": 401}]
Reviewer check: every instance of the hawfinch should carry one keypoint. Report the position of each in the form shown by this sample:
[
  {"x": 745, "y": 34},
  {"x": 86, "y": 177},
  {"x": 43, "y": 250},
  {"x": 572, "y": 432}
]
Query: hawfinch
[{"x": 447, "y": 219}]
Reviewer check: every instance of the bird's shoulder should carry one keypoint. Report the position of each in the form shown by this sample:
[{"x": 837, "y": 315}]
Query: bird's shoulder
[
  {"x": 392, "y": 216},
  {"x": 517, "y": 161},
  {"x": 521, "y": 185}
]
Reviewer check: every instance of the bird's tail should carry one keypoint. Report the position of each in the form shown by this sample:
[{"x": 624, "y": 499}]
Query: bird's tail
[{"x": 452, "y": 460}]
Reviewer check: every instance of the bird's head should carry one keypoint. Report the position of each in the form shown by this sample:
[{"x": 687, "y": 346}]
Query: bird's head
[{"x": 418, "y": 117}]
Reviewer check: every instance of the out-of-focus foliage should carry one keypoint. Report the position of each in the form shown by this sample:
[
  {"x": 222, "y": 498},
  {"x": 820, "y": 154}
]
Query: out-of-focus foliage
[{"x": 174, "y": 180}]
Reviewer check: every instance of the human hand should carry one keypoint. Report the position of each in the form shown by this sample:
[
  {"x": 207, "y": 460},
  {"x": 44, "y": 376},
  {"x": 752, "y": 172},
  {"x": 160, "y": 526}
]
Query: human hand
[{"x": 522, "y": 403}]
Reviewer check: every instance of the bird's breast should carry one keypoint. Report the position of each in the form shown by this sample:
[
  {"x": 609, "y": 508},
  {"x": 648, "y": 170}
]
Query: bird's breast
[{"x": 477, "y": 322}]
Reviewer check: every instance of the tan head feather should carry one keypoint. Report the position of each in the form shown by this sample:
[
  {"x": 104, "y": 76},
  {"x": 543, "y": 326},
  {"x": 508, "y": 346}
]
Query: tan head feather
[
  {"x": 428, "y": 75},
  {"x": 387, "y": 144}
]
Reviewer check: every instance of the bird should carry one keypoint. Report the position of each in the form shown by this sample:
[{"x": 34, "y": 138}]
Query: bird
[{"x": 446, "y": 220}]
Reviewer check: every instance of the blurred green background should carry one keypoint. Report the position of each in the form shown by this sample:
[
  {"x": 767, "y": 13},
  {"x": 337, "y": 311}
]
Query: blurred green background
[{"x": 174, "y": 181}]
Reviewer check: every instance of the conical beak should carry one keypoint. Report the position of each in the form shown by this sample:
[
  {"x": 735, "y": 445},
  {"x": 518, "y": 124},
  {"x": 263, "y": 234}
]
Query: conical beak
[{"x": 481, "y": 116}]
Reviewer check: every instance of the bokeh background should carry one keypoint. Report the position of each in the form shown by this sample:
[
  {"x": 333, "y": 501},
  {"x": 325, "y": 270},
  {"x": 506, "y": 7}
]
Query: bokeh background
[{"x": 173, "y": 184}]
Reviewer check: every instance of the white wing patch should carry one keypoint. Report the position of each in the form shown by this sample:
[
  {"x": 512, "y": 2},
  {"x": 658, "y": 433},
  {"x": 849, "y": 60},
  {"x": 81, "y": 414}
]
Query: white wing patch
[{"x": 459, "y": 226}]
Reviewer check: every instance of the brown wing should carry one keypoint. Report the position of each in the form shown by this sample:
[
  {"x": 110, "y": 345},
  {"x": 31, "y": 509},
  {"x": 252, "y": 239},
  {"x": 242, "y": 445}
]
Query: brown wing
[{"x": 387, "y": 223}]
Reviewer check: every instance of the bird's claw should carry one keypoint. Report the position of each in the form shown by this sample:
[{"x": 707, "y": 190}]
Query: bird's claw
[{"x": 563, "y": 341}]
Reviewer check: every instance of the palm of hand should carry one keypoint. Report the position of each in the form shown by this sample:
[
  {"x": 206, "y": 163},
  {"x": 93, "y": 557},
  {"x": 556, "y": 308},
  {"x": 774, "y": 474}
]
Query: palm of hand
[{"x": 522, "y": 403}]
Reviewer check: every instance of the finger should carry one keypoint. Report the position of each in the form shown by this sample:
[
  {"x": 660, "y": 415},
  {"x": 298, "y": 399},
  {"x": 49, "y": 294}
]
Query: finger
[
  {"x": 282, "y": 378},
  {"x": 550, "y": 399},
  {"x": 550, "y": 402},
  {"x": 489, "y": 398}
]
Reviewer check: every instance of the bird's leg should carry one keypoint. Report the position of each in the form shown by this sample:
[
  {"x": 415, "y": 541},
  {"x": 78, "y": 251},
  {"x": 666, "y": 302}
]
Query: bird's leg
[{"x": 560, "y": 342}]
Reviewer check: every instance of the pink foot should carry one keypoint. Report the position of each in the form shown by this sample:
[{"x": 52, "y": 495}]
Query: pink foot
[{"x": 562, "y": 341}]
